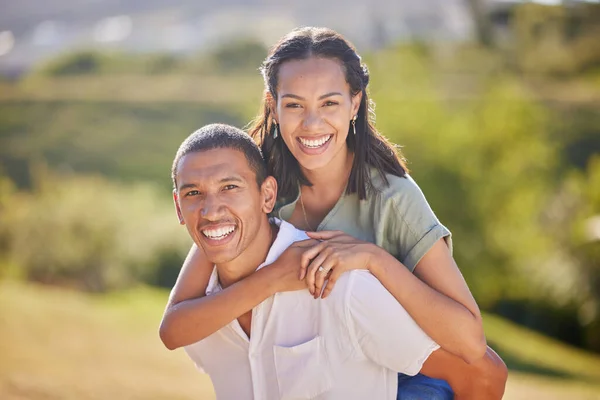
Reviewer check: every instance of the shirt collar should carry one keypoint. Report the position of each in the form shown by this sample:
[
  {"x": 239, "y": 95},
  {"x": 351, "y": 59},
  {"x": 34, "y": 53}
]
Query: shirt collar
[{"x": 285, "y": 237}]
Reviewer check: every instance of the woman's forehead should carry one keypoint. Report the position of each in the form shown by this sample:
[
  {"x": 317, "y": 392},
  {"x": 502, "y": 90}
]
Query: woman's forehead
[{"x": 311, "y": 76}]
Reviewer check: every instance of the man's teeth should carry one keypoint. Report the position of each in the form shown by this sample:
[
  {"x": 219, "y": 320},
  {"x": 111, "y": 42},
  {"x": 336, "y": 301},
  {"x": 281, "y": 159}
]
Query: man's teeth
[
  {"x": 315, "y": 143},
  {"x": 218, "y": 233}
]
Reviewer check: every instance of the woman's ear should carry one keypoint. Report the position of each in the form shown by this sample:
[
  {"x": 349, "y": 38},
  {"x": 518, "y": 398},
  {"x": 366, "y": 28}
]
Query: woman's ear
[
  {"x": 272, "y": 104},
  {"x": 356, "y": 99}
]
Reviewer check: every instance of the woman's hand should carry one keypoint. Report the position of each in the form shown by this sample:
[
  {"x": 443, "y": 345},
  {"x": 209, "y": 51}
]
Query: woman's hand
[
  {"x": 335, "y": 254},
  {"x": 286, "y": 271}
]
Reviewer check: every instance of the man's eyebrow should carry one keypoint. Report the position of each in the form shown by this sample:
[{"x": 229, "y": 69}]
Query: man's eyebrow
[
  {"x": 232, "y": 178},
  {"x": 187, "y": 186},
  {"x": 295, "y": 96}
]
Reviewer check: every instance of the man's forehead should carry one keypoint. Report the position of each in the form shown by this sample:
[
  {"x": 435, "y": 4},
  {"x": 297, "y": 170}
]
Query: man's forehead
[{"x": 214, "y": 163}]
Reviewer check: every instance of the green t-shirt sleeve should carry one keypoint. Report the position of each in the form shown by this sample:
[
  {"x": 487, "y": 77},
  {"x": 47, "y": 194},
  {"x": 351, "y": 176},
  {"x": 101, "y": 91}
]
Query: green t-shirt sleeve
[{"x": 412, "y": 226}]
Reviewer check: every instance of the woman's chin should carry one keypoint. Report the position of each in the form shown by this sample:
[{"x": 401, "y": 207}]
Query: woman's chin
[{"x": 314, "y": 165}]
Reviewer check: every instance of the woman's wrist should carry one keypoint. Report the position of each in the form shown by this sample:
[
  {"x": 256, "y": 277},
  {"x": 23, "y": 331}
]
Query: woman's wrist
[
  {"x": 377, "y": 259},
  {"x": 380, "y": 260},
  {"x": 269, "y": 277}
]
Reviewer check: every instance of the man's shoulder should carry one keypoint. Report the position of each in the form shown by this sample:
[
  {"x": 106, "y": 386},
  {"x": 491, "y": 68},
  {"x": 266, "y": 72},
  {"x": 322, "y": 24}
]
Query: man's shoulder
[
  {"x": 294, "y": 234},
  {"x": 358, "y": 289}
]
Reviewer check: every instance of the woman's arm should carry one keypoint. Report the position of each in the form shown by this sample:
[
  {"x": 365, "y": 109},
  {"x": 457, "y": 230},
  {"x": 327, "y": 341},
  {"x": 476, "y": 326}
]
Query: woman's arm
[
  {"x": 438, "y": 299},
  {"x": 191, "y": 316},
  {"x": 485, "y": 379},
  {"x": 436, "y": 295}
]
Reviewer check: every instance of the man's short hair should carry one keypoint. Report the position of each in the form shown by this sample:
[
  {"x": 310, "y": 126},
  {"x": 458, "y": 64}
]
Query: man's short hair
[{"x": 222, "y": 136}]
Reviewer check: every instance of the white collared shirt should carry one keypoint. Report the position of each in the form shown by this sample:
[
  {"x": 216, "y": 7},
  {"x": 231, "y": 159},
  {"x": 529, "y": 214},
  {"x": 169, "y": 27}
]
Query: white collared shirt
[{"x": 350, "y": 345}]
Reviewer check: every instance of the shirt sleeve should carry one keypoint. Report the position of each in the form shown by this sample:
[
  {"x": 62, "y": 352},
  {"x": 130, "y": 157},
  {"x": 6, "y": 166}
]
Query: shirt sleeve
[
  {"x": 193, "y": 353},
  {"x": 381, "y": 328},
  {"x": 411, "y": 227}
]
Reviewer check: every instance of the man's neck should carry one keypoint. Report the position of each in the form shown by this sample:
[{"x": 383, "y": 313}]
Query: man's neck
[{"x": 248, "y": 261}]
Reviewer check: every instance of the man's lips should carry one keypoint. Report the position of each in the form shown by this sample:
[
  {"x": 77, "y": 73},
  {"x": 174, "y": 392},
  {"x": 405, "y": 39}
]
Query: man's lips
[{"x": 218, "y": 232}]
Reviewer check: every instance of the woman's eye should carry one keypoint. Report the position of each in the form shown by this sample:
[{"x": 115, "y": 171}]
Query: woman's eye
[
  {"x": 292, "y": 105},
  {"x": 331, "y": 103}
]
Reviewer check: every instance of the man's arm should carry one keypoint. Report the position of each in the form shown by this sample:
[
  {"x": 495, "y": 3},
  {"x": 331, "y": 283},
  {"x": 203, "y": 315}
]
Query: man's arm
[{"x": 386, "y": 334}]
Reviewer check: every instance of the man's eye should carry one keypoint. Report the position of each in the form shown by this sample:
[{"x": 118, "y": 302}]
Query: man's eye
[
  {"x": 192, "y": 193},
  {"x": 230, "y": 187},
  {"x": 331, "y": 103}
]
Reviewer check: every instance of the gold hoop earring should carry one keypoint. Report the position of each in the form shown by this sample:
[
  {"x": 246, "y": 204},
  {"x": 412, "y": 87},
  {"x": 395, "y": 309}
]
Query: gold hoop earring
[
  {"x": 276, "y": 131},
  {"x": 354, "y": 124}
]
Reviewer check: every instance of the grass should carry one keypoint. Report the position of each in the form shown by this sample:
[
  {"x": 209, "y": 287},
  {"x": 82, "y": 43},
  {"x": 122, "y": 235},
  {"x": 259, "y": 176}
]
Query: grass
[{"x": 59, "y": 344}]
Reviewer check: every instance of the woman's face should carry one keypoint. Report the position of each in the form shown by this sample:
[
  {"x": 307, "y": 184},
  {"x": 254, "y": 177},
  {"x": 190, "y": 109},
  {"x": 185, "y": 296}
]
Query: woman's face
[{"x": 314, "y": 109}]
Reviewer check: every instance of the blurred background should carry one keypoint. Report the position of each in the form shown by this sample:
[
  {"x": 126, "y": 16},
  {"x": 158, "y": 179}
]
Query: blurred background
[{"x": 496, "y": 105}]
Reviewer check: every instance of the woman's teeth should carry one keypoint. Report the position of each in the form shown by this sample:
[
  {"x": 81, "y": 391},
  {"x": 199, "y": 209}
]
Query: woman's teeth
[
  {"x": 315, "y": 143},
  {"x": 218, "y": 233}
]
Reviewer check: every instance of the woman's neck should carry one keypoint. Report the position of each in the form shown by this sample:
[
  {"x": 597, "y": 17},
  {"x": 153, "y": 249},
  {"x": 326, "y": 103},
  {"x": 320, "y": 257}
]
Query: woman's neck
[{"x": 330, "y": 180}]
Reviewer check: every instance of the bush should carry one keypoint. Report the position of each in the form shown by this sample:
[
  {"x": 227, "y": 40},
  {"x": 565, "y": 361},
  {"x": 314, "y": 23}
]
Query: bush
[
  {"x": 239, "y": 56},
  {"x": 561, "y": 40},
  {"x": 92, "y": 234},
  {"x": 78, "y": 63}
]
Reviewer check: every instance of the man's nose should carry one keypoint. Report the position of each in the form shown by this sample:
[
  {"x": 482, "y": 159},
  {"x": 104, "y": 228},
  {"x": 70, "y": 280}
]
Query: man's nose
[{"x": 212, "y": 208}]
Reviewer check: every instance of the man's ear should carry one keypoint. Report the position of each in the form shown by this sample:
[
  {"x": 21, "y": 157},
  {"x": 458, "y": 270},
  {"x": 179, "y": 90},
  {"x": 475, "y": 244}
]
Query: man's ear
[
  {"x": 269, "y": 194},
  {"x": 271, "y": 103},
  {"x": 177, "y": 208}
]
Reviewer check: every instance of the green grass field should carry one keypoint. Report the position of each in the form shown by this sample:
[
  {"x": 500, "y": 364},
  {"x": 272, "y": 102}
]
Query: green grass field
[{"x": 60, "y": 344}]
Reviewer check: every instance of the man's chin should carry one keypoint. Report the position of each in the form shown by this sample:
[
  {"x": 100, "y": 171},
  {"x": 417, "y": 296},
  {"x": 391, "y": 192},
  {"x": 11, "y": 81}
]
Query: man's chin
[{"x": 219, "y": 257}]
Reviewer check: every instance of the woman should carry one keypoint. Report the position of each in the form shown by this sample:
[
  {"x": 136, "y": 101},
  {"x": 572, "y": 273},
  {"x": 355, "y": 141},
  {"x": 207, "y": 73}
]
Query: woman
[{"x": 344, "y": 182}]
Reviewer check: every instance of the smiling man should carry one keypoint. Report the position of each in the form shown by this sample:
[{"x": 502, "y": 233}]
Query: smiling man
[{"x": 350, "y": 345}]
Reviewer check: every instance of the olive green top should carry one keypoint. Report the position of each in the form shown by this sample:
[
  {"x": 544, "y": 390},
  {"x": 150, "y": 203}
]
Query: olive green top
[{"x": 397, "y": 218}]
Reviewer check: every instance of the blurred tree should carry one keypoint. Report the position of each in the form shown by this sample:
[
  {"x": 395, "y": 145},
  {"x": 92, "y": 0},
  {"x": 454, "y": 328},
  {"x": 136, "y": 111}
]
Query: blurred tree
[
  {"x": 123, "y": 141},
  {"x": 485, "y": 166},
  {"x": 77, "y": 63},
  {"x": 92, "y": 234},
  {"x": 239, "y": 55},
  {"x": 482, "y": 23},
  {"x": 557, "y": 40}
]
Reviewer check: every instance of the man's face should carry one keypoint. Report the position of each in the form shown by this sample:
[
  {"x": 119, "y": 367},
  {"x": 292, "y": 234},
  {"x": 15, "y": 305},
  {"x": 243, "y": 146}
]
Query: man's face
[{"x": 221, "y": 204}]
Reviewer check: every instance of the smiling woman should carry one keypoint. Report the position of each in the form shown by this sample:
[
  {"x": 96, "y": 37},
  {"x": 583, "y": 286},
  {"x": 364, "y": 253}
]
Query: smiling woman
[{"x": 313, "y": 111}]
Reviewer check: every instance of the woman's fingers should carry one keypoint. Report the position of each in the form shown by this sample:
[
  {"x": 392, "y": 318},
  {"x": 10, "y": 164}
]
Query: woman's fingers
[
  {"x": 333, "y": 277},
  {"x": 306, "y": 243},
  {"x": 324, "y": 235},
  {"x": 309, "y": 254},
  {"x": 311, "y": 271},
  {"x": 321, "y": 273}
]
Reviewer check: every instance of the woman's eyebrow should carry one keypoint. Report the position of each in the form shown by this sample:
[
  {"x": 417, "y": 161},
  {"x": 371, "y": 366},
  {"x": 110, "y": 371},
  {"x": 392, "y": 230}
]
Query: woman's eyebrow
[{"x": 295, "y": 96}]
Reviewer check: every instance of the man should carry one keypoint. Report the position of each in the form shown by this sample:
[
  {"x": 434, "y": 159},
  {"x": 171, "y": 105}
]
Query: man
[{"x": 350, "y": 345}]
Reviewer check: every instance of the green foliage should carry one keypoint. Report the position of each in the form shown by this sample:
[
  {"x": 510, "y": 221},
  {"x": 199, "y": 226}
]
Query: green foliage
[
  {"x": 239, "y": 56},
  {"x": 485, "y": 167},
  {"x": 94, "y": 62},
  {"x": 120, "y": 140},
  {"x": 557, "y": 40},
  {"x": 94, "y": 234},
  {"x": 79, "y": 63}
]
